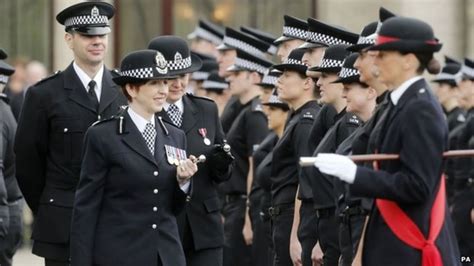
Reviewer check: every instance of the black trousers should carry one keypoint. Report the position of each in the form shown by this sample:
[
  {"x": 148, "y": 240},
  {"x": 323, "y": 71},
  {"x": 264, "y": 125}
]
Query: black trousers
[
  {"x": 307, "y": 231},
  {"x": 261, "y": 244},
  {"x": 236, "y": 252},
  {"x": 350, "y": 231},
  {"x": 282, "y": 221},
  {"x": 463, "y": 203},
  {"x": 328, "y": 233},
  {"x": 12, "y": 240}
]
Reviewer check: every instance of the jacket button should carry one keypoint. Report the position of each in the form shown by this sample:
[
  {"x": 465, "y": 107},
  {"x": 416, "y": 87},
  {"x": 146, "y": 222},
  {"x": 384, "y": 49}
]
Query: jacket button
[
  {"x": 155, "y": 209},
  {"x": 153, "y": 226},
  {"x": 65, "y": 129},
  {"x": 155, "y": 191},
  {"x": 51, "y": 200},
  {"x": 155, "y": 173},
  {"x": 188, "y": 198}
]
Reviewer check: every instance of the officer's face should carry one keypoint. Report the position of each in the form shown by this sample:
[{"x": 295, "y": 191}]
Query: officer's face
[
  {"x": 357, "y": 97},
  {"x": 149, "y": 97},
  {"x": 331, "y": 93},
  {"x": 365, "y": 64},
  {"x": 391, "y": 66},
  {"x": 312, "y": 57},
  {"x": 267, "y": 92},
  {"x": 286, "y": 47},
  {"x": 88, "y": 50},
  {"x": 443, "y": 91},
  {"x": 466, "y": 91},
  {"x": 276, "y": 117},
  {"x": 239, "y": 82},
  {"x": 177, "y": 88},
  {"x": 203, "y": 46},
  {"x": 290, "y": 86},
  {"x": 225, "y": 59}
]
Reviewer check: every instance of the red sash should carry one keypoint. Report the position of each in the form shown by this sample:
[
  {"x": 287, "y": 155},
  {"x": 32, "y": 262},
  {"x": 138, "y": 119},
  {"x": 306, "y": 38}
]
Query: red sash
[{"x": 408, "y": 232}]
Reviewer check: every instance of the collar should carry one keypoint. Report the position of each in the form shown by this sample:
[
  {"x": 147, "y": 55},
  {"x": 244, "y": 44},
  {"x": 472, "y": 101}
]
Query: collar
[
  {"x": 85, "y": 79},
  {"x": 396, "y": 94},
  {"x": 178, "y": 103},
  {"x": 310, "y": 103},
  {"x": 138, "y": 120}
]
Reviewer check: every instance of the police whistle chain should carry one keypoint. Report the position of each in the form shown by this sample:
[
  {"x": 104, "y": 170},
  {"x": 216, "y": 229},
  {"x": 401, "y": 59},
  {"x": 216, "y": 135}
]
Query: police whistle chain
[{"x": 309, "y": 161}]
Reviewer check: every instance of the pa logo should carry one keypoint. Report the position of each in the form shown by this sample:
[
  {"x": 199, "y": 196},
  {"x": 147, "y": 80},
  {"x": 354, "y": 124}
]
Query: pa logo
[{"x": 466, "y": 259}]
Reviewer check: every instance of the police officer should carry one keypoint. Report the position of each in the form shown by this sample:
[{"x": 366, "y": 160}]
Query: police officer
[
  {"x": 297, "y": 89},
  {"x": 11, "y": 199},
  {"x": 246, "y": 133},
  {"x": 293, "y": 35},
  {"x": 134, "y": 178},
  {"x": 409, "y": 192},
  {"x": 200, "y": 225},
  {"x": 217, "y": 89},
  {"x": 58, "y": 110},
  {"x": 209, "y": 64},
  {"x": 206, "y": 37}
]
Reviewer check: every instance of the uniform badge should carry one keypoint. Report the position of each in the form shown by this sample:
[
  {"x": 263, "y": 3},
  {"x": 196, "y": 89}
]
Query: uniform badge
[
  {"x": 178, "y": 57},
  {"x": 203, "y": 133},
  {"x": 95, "y": 12},
  {"x": 161, "y": 64}
]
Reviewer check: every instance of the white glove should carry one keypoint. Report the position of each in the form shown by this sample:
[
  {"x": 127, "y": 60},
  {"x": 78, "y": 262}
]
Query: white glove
[{"x": 336, "y": 165}]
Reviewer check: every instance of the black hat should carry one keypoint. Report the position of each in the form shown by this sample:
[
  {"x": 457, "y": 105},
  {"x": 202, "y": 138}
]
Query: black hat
[
  {"x": 270, "y": 78},
  {"x": 215, "y": 82},
  {"x": 294, "y": 62},
  {"x": 87, "y": 18},
  {"x": 406, "y": 35},
  {"x": 450, "y": 60},
  {"x": 248, "y": 62},
  {"x": 366, "y": 38},
  {"x": 179, "y": 59},
  {"x": 263, "y": 36},
  {"x": 450, "y": 74},
  {"x": 349, "y": 74},
  {"x": 234, "y": 39},
  {"x": 276, "y": 102},
  {"x": 208, "y": 66},
  {"x": 141, "y": 66},
  {"x": 5, "y": 71},
  {"x": 207, "y": 31},
  {"x": 3, "y": 54},
  {"x": 333, "y": 59},
  {"x": 321, "y": 34},
  {"x": 294, "y": 28},
  {"x": 468, "y": 69}
]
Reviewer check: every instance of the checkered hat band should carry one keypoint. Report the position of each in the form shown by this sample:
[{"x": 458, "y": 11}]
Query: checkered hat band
[
  {"x": 250, "y": 65},
  {"x": 3, "y": 79},
  {"x": 140, "y": 73},
  {"x": 181, "y": 64},
  {"x": 274, "y": 99},
  {"x": 295, "y": 32},
  {"x": 267, "y": 79},
  {"x": 207, "y": 35},
  {"x": 199, "y": 75},
  {"x": 348, "y": 72},
  {"x": 209, "y": 84},
  {"x": 467, "y": 71},
  {"x": 326, "y": 63},
  {"x": 445, "y": 76},
  {"x": 86, "y": 20},
  {"x": 366, "y": 40},
  {"x": 243, "y": 46},
  {"x": 326, "y": 39},
  {"x": 292, "y": 61}
]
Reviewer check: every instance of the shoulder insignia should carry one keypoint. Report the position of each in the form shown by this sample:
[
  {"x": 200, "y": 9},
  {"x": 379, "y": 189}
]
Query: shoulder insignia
[
  {"x": 256, "y": 105},
  {"x": 49, "y": 77},
  {"x": 115, "y": 72},
  {"x": 422, "y": 90},
  {"x": 461, "y": 118},
  {"x": 308, "y": 115},
  {"x": 104, "y": 120},
  {"x": 353, "y": 119}
]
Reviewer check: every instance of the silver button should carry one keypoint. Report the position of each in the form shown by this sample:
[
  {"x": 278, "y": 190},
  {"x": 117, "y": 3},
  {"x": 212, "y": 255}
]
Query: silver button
[
  {"x": 153, "y": 226},
  {"x": 98, "y": 117},
  {"x": 155, "y": 173},
  {"x": 65, "y": 129},
  {"x": 155, "y": 209},
  {"x": 51, "y": 200},
  {"x": 155, "y": 191}
]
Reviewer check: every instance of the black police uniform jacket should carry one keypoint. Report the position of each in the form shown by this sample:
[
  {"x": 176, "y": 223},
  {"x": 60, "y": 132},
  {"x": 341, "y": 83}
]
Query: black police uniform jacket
[
  {"x": 202, "y": 208},
  {"x": 48, "y": 146},
  {"x": 127, "y": 199},
  {"x": 416, "y": 129}
]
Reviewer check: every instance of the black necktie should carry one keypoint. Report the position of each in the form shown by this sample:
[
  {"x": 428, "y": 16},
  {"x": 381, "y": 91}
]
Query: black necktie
[{"x": 92, "y": 95}]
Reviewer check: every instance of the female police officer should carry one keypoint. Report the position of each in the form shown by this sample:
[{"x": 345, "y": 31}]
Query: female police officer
[
  {"x": 410, "y": 216},
  {"x": 130, "y": 189}
]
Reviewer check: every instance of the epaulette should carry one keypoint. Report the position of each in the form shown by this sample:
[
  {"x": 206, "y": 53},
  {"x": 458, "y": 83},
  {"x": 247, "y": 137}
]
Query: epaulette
[
  {"x": 308, "y": 115},
  {"x": 48, "y": 77},
  {"x": 256, "y": 106},
  {"x": 115, "y": 73},
  {"x": 104, "y": 120},
  {"x": 354, "y": 120},
  {"x": 199, "y": 97},
  {"x": 4, "y": 98}
]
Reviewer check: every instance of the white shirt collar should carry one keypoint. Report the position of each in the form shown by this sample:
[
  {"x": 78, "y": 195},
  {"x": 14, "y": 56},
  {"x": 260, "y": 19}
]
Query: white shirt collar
[
  {"x": 138, "y": 120},
  {"x": 85, "y": 79},
  {"x": 396, "y": 94},
  {"x": 178, "y": 103}
]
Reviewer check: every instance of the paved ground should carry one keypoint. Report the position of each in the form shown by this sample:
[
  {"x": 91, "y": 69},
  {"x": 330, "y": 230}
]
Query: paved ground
[{"x": 23, "y": 257}]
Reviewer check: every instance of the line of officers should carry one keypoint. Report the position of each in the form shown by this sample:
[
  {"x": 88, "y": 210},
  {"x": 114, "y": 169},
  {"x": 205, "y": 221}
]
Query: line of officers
[{"x": 108, "y": 192}]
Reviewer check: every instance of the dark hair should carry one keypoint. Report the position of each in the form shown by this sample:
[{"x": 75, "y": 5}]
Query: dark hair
[
  {"x": 136, "y": 85},
  {"x": 427, "y": 61}
]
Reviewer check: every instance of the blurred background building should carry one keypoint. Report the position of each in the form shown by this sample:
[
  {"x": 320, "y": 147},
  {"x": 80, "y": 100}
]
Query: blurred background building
[{"x": 29, "y": 28}]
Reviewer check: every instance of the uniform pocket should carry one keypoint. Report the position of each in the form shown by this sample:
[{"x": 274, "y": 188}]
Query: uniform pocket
[
  {"x": 71, "y": 132},
  {"x": 211, "y": 204}
]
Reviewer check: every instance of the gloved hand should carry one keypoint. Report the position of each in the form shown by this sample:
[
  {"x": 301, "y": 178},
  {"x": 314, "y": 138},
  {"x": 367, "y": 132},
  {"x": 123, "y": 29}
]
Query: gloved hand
[
  {"x": 221, "y": 157},
  {"x": 336, "y": 165}
]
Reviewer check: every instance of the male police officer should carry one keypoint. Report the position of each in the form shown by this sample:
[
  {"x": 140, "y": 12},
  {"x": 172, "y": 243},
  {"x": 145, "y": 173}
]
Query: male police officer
[{"x": 58, "y": 111}]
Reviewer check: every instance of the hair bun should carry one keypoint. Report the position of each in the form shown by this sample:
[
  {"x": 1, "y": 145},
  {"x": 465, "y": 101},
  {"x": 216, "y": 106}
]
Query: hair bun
[{"x": 433, "y": 67}]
